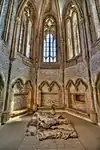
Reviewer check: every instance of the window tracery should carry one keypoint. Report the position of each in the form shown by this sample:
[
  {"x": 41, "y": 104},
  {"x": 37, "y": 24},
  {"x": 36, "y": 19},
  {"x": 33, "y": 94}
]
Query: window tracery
[
  {"x": 49, "y": 40},
  {"x": 73, "y": 33},
  {"x": 25, "y": 34},
  {"x": 8, "y": 20}
]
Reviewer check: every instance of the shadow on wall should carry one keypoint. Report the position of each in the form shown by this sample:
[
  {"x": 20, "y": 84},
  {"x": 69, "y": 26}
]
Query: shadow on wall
[
  {"x": 50, "y": 94},
  {"x": 97, "y": 89},
  {"x": 21, "y": 96},
  {"x": 77, "y": 95}
]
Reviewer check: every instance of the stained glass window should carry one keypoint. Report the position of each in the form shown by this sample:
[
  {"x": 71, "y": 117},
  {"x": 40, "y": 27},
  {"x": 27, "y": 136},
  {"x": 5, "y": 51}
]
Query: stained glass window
[{"x": 49, "y": 41}]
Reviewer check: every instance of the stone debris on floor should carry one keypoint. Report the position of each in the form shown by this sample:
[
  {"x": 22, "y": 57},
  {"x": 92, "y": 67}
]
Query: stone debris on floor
[{"x": 48, "y": 126}]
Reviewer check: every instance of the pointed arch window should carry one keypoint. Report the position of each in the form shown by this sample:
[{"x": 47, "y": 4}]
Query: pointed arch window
[
  {"x": 25, "y": 36},
  {"x": 69, "y": 40},
  {"x": 73, "y": 33},
  {"x": 1, "y": 5},
  {"x": 50, "y": 40},
  {"x": 76, "y": 34},
  {"x": 98, "y": 7},
  {"x": 8, "y": 20}
]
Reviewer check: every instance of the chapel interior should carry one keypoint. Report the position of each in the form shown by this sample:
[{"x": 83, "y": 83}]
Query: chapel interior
[{"x": 50, "y": 60}]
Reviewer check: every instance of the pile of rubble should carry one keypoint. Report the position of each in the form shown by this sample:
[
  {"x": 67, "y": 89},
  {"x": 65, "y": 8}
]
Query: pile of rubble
[{"x": 47, "y": 126}]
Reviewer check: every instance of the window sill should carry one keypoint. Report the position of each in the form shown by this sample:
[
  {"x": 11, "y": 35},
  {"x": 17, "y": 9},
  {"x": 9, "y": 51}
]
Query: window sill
[
  {"x": 26, "y": 61},
  {"x": 74, "y": 61},
  {"x": 50, "y": 66}
]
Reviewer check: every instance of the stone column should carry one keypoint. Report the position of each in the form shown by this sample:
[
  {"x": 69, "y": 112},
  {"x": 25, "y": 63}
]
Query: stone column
[
  {"x": 63, "y": 70},
  {"x": 87, "y": 42},
  {"x": 11, "y": 101}
]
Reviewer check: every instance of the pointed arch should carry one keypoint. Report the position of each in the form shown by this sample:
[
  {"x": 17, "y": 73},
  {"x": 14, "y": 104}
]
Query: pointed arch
[
  {"x": 53, "y": 83},
  {"x": 23, "y": 40},
  {"x": 43, "y": 84},
  {"x": 79, "y": 81},
  {"x": 49, "y": 39},
  {"x": 29, "y": 82},
  {"x": 18, "y": 81},
  {"x": 69, "y": 83},
  {"x": 72, "y": 15}
]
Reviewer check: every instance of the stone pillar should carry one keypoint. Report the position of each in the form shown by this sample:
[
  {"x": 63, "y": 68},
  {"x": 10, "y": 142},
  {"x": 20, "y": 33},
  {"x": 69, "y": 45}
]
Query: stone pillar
[
  {"x": 35, "y": 87},
  {"x": 63, "y": 70},
  {"x": 11, "y": 101},
  {"x": 87, "y": 42},
  {"x": 3, "y": 16}
]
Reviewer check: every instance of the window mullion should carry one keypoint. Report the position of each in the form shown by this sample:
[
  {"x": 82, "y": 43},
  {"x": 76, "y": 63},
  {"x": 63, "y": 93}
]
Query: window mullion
[
  {"x": 49, "y": 47},
  {"x": 25, "y": 37},
  {"x": 72, "y": 35}
]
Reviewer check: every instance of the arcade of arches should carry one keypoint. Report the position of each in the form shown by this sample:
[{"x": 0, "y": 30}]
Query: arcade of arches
[{"x": 50, "y": 55}]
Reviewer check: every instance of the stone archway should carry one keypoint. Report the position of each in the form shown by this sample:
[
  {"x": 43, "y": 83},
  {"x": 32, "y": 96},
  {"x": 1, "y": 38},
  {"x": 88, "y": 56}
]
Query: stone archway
[
  {"x": 21, "y": 96},
  {"x": 18, "y": 97},
  {"x": 77, "y": 95},
  {"x": 50, "y": 94}
]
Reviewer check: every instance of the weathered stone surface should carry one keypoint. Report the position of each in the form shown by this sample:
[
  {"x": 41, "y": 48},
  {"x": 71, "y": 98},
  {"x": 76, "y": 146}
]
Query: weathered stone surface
[
  {"x": 51, "y": 127},
  {"x": 31, "y": 131}
]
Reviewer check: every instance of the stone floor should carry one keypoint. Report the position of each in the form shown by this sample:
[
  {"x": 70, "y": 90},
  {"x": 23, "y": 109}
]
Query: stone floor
[{"x": 12, "y": 137}]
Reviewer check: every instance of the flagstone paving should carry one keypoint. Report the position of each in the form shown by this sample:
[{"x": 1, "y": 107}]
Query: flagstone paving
[{"x": 12, "y": 137}]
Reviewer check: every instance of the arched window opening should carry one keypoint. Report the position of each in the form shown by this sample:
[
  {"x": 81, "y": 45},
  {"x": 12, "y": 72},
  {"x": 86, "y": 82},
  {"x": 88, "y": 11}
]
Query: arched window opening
[
  {"x": 98, "y": 7},
  {"x": 8, "y": 20},
  {"x": 28, "y": 46},
  {"x": 73, "y": 33},
  {"x": 25, "y": 34},
  {"x": 76, "y": 34},
  {"x": 1, "y": 5},
  {"x": 21, "y": 38},
  {"x": 50, "y": 40},
  {"x": 69, "y": 40}
]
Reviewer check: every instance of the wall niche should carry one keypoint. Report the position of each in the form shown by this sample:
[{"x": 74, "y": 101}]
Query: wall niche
[
  {"x": 50, "y": 94},
  {"x": 97, "y": 88},
  {"x": 77, "y": 95},
  {"x": 21, "y": 96}
]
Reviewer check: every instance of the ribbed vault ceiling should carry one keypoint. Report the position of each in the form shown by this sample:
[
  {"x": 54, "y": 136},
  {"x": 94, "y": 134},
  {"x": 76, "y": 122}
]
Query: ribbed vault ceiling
[{"x": 40, "y": 3}]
